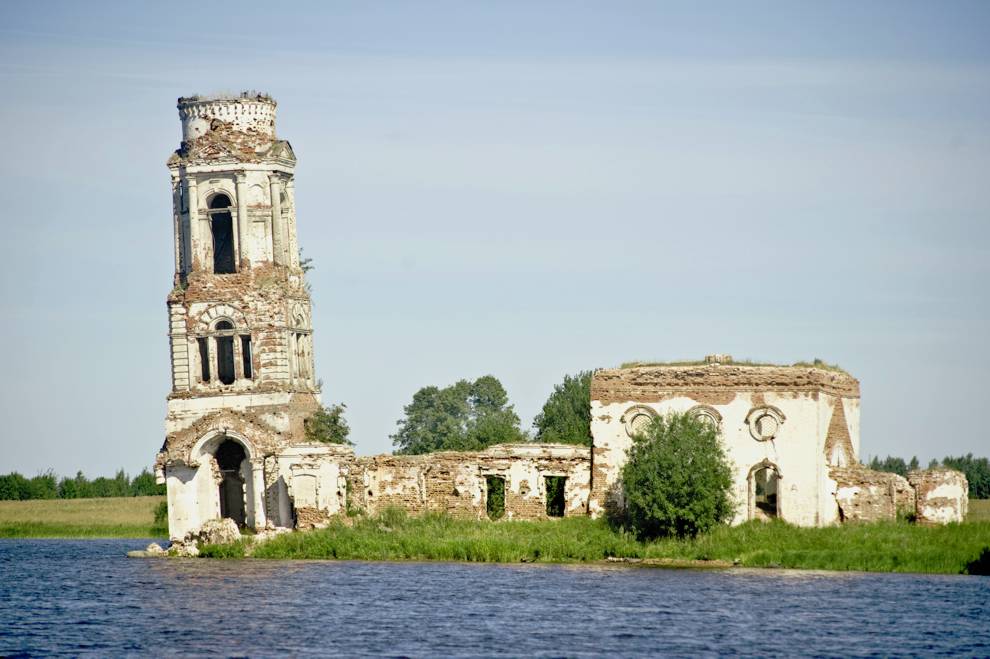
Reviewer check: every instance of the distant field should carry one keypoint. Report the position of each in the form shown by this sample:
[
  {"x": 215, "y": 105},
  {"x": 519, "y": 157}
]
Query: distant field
[
  {"x": 80, "y": 518},
  {"x": 979, "y": 510}
]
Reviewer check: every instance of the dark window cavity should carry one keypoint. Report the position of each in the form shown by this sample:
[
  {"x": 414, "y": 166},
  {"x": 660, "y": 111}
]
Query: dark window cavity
[
  {"x": 246, "y": 356},
  {"x": 225, "y": 359},
  {"x": 222, "y": 226},
  {"x": 495, "y": 500},
  {"x": 204, "y": 359},
  {"x": 765, "y": 491},
  {"x": 230, "y": 455},
  {"x": 555, "y": 495}
]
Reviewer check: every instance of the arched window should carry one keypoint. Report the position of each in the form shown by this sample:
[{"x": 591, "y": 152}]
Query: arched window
[
  {"x": 764, "y": 488},
  {"x": 222, "y": 227},
  {"x": 225, "y": 352}
]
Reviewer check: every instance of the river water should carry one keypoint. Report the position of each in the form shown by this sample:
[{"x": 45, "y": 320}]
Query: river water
[{"x": 85, "y": 597}]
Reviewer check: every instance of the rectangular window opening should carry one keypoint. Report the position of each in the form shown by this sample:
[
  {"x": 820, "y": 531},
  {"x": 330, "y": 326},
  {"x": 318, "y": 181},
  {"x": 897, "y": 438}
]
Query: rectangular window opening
[
  {"x": 225, "y": 359},
  {"x": 495, "y": 500},
  {"x": 246, "y": 356},
  {"x": 555, "y": 495},
  {"x": 204, "y": 359}
]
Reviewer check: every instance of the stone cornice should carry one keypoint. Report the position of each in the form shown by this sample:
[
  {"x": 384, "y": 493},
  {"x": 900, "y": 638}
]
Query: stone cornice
[{"x": 653, "y": 383}]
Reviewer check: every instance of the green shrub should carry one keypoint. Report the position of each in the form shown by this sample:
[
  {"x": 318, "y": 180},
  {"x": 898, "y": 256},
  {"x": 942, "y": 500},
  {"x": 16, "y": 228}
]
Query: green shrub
[
  {"x": 328, "y": 425},
  {"x": 677, "y": 480},
  {"x": 231, "y": 550},
  {"x": 566, "y": 416}
]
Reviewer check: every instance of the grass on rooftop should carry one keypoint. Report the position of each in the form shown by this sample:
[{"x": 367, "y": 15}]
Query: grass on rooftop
[{"x": 816, "y": 363}]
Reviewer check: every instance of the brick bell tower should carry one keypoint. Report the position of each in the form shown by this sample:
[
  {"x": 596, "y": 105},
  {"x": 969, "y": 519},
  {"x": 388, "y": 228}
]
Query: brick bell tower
[{"x": 239, "y": 318}]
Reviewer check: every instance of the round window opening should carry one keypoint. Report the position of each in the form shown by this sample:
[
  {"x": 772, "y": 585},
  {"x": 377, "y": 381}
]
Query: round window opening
[
  {"x": 707, "y": 415},
  {"x": 638, "y": 420},
  {"x": 764, "y": 423}
]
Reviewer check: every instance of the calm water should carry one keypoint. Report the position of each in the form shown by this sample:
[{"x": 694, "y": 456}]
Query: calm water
[{"x": 85, "y": 597}]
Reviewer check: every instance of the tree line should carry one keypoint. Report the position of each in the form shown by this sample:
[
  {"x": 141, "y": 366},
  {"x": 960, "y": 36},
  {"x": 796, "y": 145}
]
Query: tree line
[
  {"x": 16, "y": 487},
  {"x": 471, "y": 416}
]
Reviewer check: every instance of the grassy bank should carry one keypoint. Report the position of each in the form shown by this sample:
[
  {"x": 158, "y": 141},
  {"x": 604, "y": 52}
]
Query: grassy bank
[
  {"x": 112, "y": 517},
  {"x": 979, "y": 510},
  {"x": 892, "y": 547}
]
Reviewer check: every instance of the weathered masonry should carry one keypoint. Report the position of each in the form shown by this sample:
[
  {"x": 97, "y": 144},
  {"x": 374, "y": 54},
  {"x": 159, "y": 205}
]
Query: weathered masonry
[
  {"x": 791, "y": 433},
  {"x": 243, "y": 383},
  {"x": 239, "y": 318},
  {"x": 243, "y": 380}
]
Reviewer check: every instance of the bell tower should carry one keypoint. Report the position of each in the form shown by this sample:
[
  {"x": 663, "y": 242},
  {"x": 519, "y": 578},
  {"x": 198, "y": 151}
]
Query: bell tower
[{"x": 239, "y": 312}]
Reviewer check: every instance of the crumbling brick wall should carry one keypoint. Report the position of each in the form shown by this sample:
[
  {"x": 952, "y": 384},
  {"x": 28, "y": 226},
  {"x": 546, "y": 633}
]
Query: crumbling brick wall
[
  {"x": 455, "y": 482},
  {"x": 942, "y": 495},
  {"x": 864, "y": 495}
]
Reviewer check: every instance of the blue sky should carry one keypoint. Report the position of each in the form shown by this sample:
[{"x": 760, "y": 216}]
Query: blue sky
[{"x": 522, "y": 189}]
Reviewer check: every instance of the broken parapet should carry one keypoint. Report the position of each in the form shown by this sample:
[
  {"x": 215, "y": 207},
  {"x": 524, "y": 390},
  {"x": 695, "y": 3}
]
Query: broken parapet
[
  {"x": 864, "y": 495},
  {"x": 942, "y": 495}
]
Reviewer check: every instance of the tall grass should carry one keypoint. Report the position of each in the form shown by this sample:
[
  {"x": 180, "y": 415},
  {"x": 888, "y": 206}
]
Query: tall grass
[
  {"x": 123, "y": 517},
  {"x": 979, "y": 510},
  {"x": 893, "y": 547}
]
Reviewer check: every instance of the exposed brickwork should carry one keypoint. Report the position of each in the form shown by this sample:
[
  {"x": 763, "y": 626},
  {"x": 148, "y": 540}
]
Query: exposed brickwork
[
  {"x": 311, "y": 518},
  {"x": 942, "y": 495},
  {"x": 714, "y": 384},
  {"x": 454, "y": 482},
  {"x": 837, "y": 441},
  {"x": 865, "y": 495}
]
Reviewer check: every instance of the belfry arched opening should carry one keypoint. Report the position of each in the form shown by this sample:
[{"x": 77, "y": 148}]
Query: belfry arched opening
[{"x": 230, "y": 457}]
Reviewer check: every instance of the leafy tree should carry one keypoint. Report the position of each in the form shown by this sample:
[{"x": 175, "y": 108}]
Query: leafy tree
[
  {"x": 327, "y": 425},
  {"x": 43, "y": 486},
  {"x": 466, "y": 416},
  {"x": 14, "y": 487},
  {"x": 977, "y": 472},
  {"x": 677, "y": 480},
  {"x": 566, "y": 416},
  {"x": 144, "y": 485},
  {"x": 75, "y": 488}
]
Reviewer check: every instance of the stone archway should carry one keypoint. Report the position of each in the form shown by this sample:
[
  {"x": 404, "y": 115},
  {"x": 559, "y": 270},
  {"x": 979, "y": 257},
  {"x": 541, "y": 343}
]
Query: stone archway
[
  {"x": 231, "y": 477},
  {"x": 231, "y": 458},
  {"x": 764, "y": 491}
]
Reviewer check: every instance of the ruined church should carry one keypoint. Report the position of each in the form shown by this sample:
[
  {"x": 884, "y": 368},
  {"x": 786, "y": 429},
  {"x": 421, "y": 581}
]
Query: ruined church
[{"x": 243, "y": 383}]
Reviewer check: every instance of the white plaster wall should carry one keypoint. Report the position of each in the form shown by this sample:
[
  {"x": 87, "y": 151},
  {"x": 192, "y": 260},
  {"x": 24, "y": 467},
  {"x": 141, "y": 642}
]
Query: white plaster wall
[
  {"x": 193, "y": 498},
  {"x": 243, "y": 113},
  {"x": 796, "y": 449},
  {"x": 315, "y": 476},
  {"x": 945, "y": 503},
  {"x": 184, "y": 412}
]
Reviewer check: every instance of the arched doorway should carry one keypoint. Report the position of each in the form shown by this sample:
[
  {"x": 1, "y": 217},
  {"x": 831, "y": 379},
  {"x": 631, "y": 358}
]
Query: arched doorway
[
  {"x": 229, "y": 456},
  {"x": 764, "y": 489}
]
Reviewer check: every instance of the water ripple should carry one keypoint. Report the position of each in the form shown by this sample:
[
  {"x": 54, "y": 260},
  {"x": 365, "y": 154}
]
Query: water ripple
[{"x": 85, "y": 598}]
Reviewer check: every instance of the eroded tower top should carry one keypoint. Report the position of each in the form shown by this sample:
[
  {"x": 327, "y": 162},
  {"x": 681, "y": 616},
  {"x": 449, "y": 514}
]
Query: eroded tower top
[{"x": 248, "y": 112}]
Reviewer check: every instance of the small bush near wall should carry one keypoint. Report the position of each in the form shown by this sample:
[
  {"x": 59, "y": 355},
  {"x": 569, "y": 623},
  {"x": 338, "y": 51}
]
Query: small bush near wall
[{"x": 677, "y": 480}]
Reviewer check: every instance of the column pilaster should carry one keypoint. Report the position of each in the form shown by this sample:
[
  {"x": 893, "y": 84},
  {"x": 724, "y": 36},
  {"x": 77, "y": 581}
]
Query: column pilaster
[
  {"x": 278, "y": 248},
  {"x": 193, "y": 205},
  {"x": 242, "y": 218}
]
